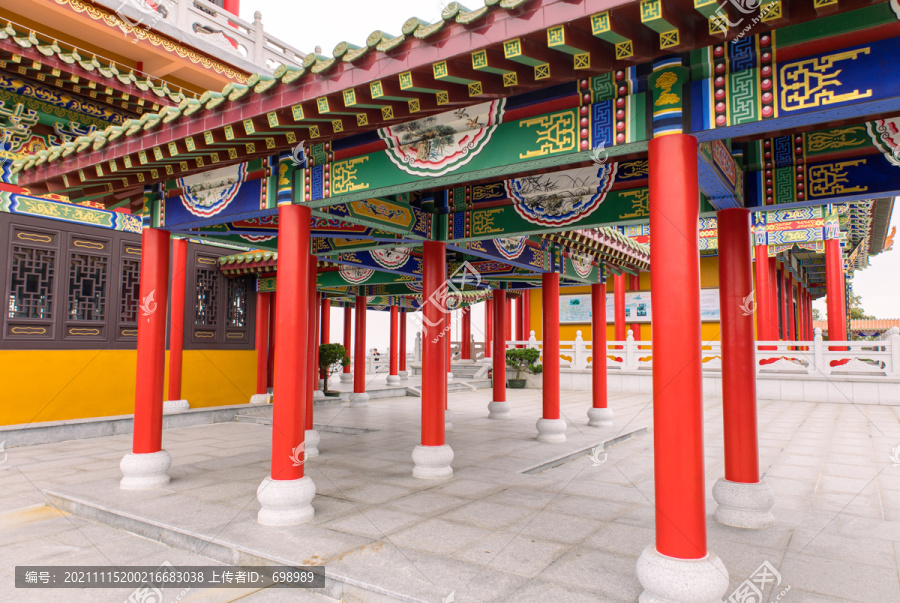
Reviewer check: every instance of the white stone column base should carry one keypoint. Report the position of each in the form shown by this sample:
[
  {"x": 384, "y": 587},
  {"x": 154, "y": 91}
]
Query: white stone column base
[
  {"x": 465, "y": 361},
  {"x": 449, "y": 377},
  {"x": 321, "y": 383},
  {"x": 432, "y": 462},
  {"x": 260, "y": 398},
  {"x": 670, "y": 580},
  {"x": 285, "y": 502},
  {"x": 448, "y": 420},
  {"x": 359, "y": 400},
  {"x": 499, "y": 410},
  {"x": 170, "y": 406},
  {"x": 318, "y": 395},
  {"x": 346, "y": 377},
  {"x": 551, "y": 431},
  {"x": 311, "y": 441},
  {"x": 145, "y": 471},
  {"x": 744, "y": 505},
  {"x": 391, "y": 379},
  {"x": 404, "y": 375},
  {"x": 600, "y": 417}
]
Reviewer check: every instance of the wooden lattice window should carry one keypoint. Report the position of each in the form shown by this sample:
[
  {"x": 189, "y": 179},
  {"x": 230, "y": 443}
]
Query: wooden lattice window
[
  {"x": 87, "y": 287},
  {"x": 32, "y": 273},
  {"x": 131, "y": 290},
  {"x": 206, "y": 309},
  {"x": 237, "y": 303}
]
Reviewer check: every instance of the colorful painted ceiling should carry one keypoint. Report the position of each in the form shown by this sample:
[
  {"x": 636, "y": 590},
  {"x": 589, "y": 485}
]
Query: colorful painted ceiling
[
  {"x": 517, "y": 134},
  {"x": 548, "y": 43}
]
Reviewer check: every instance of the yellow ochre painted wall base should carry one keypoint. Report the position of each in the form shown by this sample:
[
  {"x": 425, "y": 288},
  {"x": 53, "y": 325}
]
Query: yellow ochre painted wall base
[{"x": 59, "y": 385}]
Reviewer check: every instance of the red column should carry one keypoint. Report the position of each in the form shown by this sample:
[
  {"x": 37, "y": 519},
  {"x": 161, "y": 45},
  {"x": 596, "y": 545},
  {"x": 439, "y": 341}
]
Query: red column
[
  {"x": 434, "y": 349},
  {"x": 312, "y": 362},
  {"x": 348, "y": 330},
  {"x": 499, "y": 358},
  {"x": 151, "y": 343},
  {"x": 792, "y": 327},
  {"x": 520, "y": 317},
  {"x": 773, "y": 298},
  {"x": 466, "y": 335},
  {"x": 782, "y": 304},
  {"x": 764, "y": 320},
  {"x": 619, "y": 299},
  {"x": 598, "y": 415},
  {"x": 526, "y": 298},
  {"x": 598, "y": 345},
  {"x": 291, "y": 378},
  {"x": 325, "y": 324},
  {"x": 550, "y": 427},
  {"x": 550, "y": 308},
  {"x": 176, "y": 317},
  {"x": 262, "y": 342},
  {"x": 738, "y": 354},
  {"x": 635, "y": 285},
  {"x": 270, "y": 378},
  {"x": 834, "y": 292},
  {"x": 809, "y": 318},
  {"x": 507, "y": 319},
  {"x": 395, "y": 342},
  {"x": 359, "y": 353},
  {"x": 402, "y": 345},
  {"x": 677, "y": 377},
  {"x": 447, "y": 335},
  {"x": 324, "y": 329},
  {"x": 488, "y": 326},
  {"x": 312, "y": 340}
]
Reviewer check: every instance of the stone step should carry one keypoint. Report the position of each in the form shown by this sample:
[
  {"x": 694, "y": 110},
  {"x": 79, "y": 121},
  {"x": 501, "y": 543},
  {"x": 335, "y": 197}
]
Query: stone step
[
  {"x": 463, "y": 385},
  {"x": 231, "y": 551}
]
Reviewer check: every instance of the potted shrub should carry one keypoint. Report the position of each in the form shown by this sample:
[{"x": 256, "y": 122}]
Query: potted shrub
[
  {"x": 332, "y": 358},
  {"x": 523, "y": 359}
]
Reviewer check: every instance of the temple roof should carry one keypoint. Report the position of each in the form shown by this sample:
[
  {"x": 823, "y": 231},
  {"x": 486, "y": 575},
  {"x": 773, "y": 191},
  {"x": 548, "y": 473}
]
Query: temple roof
[
  {"x": 137, "y": 91},
  {"x": 430, "y": 65}
]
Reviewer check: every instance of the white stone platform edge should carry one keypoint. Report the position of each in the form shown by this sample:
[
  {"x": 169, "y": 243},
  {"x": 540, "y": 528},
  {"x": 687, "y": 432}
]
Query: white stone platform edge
[
  {"x": 337, "y": 585},
  {"x": 667, "y": 579}
]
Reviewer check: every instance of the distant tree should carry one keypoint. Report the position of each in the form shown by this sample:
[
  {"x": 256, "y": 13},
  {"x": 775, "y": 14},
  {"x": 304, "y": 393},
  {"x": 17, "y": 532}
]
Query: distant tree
[
  {"x": 816, "y": 314},
  {"x": 856, "y": 309}
]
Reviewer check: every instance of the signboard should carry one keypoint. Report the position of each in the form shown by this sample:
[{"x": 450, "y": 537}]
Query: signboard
[{"x": 576, "y": 309}]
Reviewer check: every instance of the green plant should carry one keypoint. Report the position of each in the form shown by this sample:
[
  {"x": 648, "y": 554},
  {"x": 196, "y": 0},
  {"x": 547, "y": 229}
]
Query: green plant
[
  {"x": 332, "y": 358},
  {"x": 524, "y": 359}
]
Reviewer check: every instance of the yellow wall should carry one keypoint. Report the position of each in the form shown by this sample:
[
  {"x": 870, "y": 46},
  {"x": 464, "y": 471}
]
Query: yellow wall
[
  {"x": 709, "y": 277},
  {"x": 56, "y": 385}
]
